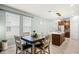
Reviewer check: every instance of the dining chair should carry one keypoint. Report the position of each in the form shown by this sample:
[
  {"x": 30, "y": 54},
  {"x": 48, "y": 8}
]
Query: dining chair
[
  {"x": 44, "y": 47},
  {"x": 20, "y": 47}
]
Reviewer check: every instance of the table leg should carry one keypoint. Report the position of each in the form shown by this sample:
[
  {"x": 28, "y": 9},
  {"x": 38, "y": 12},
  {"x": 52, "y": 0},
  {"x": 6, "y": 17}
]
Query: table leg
[{"x": 33, "y": 47}]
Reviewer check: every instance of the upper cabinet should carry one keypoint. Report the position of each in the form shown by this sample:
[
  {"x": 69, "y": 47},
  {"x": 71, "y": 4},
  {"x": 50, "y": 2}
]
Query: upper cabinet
[{"x": 66, "y": 24}]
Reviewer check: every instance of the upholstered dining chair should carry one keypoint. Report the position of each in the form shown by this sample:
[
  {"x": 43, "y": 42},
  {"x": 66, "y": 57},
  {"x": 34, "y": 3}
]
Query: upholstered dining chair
[
  {"x": 44, "y": 47},
  {"x": 20, "y": 47}
]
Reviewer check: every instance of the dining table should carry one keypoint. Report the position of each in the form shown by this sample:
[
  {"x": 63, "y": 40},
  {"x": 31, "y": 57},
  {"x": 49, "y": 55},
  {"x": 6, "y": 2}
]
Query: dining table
[{"x": 32, "y": 41}]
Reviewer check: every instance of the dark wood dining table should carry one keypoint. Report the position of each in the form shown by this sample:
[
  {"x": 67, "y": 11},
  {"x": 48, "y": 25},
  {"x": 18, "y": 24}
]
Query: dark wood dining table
[{"x": 33, "y": 41}]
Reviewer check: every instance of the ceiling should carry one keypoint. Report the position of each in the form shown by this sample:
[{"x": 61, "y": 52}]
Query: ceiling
[{"x": 44, "y": 10}]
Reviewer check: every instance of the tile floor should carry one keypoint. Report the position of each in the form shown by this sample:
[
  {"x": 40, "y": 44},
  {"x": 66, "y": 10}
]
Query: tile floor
[{"x": 68, "y": 47}]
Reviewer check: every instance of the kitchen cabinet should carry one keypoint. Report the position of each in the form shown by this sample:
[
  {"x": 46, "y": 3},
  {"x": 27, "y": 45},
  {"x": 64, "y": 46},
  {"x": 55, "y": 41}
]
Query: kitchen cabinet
[{"x": 58, "y": 38}]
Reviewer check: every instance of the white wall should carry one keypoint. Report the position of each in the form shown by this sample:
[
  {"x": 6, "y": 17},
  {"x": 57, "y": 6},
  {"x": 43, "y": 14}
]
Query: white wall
[
  {"x": 52, "y": 25},
  {"x": 74, "y": 27}
]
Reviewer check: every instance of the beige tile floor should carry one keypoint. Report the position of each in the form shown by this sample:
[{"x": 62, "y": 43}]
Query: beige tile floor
[{"x": 69, "y": 46}]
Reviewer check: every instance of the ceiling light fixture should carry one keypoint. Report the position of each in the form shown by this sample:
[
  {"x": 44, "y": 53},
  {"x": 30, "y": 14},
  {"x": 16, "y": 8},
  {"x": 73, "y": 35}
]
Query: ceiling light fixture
[
  {"x": 55, "y": 12},
  {"x": 58, "y": 14}
]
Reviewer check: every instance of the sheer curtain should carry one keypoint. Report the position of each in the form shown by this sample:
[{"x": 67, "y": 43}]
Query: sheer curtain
[
  {"x": 12, "y": 27},
  {"x": 26, "y": 24}
]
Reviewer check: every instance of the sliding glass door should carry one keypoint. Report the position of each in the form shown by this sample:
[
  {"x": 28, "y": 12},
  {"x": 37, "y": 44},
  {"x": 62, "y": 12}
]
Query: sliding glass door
[
  {"x": 26, "y": 24},
  {"x": 12, "y": 27}
]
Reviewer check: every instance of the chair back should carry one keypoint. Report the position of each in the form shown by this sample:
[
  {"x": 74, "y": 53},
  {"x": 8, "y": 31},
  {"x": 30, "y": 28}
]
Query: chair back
[
  {"x": 46, "y": 41},
  {"x": 26, "y": 33},
  {"x": 18, "y": 41}
]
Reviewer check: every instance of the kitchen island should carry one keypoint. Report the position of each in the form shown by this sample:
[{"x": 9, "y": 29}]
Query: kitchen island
[{"x": 58, "y": 38}]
